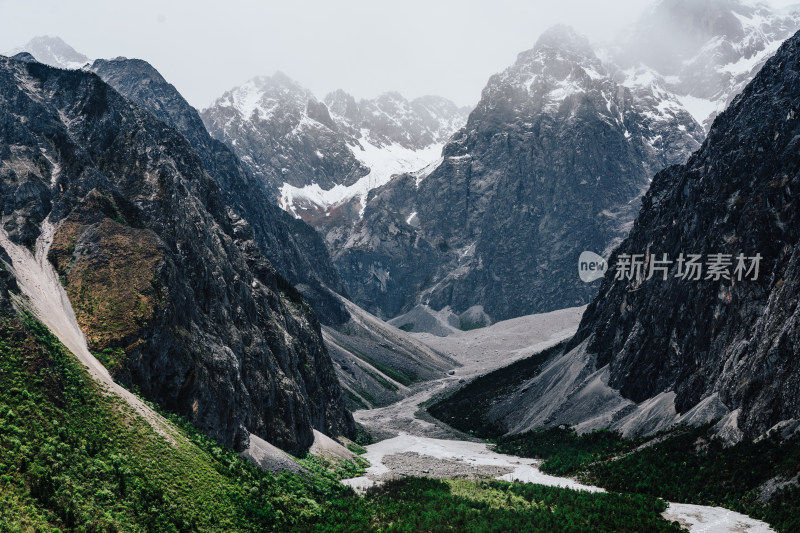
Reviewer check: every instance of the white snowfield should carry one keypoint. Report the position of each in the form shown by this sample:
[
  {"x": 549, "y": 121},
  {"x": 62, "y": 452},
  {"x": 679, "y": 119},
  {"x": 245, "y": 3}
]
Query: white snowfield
[
  {"x": 45, "y": 298},
  {"x": 383, "y": 162},
  {"x": 481, "y": 351}
]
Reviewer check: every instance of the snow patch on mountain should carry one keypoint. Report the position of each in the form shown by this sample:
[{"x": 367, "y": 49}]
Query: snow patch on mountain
[
  {"x": 383, "y": 162},
  {"x": 248, "y": 99},
  {"x": 745, "y": 65},
  {"x": 700, "y": 108}
]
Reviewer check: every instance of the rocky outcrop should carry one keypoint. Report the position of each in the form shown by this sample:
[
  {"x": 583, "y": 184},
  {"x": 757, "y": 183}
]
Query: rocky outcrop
[
  {"x": 295, "y": 250},
  {"x": 167, "y": 279}
]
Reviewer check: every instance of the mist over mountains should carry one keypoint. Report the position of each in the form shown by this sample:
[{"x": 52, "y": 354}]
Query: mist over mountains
[{"x": 291, "y": 272}]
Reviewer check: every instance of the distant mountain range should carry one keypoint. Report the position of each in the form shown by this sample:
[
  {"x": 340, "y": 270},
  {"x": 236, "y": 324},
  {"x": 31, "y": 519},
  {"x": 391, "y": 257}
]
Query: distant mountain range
[
  {"x": 420, "y": 205},
  {"x": 322, "y": 157}
]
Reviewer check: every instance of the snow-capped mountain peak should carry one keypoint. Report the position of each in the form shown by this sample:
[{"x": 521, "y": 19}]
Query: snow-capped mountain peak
[
  {"x": 392, "y": 119},
  {"x": 318, "y": 156},
  {"x": 266, "y": 95},
  {"x": 54, "y": 51},
  {"x": 706, "y": 50},
  {"x": 566, "y": 39}
]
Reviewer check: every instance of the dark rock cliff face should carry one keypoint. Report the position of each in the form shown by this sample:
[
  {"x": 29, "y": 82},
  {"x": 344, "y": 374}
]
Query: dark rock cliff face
[
  {"x": 144, "y": 235},
  {"x": 295, "y": 250},
  {"x": 739, "y": 339},
  {"x": 551, "y": 162}
]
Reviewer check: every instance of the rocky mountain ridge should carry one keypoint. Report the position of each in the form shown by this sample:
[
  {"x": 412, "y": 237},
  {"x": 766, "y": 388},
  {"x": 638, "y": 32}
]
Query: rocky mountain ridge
[{"x": 166, "y": 281}]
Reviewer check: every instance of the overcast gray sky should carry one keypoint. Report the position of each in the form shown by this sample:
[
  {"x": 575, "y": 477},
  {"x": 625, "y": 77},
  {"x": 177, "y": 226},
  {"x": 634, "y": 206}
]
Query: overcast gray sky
[{"x": 416, "y": 47}]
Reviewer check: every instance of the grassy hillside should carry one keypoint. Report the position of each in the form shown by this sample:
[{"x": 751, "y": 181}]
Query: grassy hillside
[{"x": 74, "y": 459}]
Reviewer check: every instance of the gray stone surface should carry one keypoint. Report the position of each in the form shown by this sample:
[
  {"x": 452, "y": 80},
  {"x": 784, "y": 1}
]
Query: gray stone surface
[{"x": 231, "y": 345}]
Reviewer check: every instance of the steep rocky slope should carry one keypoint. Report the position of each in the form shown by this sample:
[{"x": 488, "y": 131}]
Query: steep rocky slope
[
  {"x": 166, "y": 281},
  {"x": 653, "y": 352},
  {"x": 295, "y": 250},
  {"x": 378, "y": 364},
  {"x": 551, "y": 162}
]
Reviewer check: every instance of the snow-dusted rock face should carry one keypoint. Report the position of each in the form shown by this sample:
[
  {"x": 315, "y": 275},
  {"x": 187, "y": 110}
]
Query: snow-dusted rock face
[
  {"x": 551, "y": 162},
  {"x": 289, "y": 138},
  {"x": 704, "y": 51},
  {"x": 649, "y": 353},
  {"x": 161, "y": 273},
  {"x": 320, "y": 160},
  {"x": 283, "y": 134},
  {"x": 390, "y": 119},
  {"x": 54, "y": 51}
]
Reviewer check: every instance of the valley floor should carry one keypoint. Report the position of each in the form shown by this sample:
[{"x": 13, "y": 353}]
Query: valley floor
[{"x": 415, "y": 444}]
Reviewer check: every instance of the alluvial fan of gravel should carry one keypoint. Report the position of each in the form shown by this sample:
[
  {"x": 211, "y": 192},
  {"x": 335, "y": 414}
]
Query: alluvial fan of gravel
[{"x": 414, "y": 464}]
